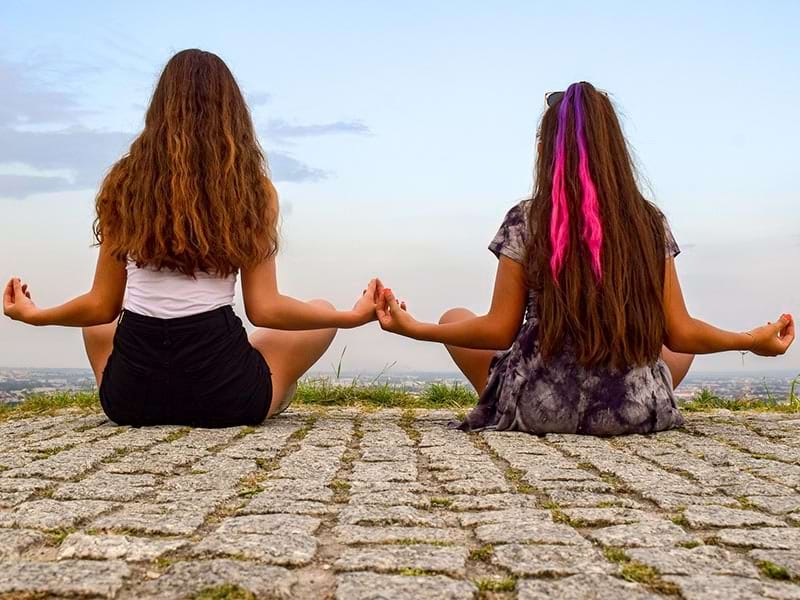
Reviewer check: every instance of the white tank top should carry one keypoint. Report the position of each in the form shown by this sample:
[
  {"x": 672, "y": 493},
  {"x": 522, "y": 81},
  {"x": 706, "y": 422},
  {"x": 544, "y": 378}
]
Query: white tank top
[{"x": 169, "y": 294}]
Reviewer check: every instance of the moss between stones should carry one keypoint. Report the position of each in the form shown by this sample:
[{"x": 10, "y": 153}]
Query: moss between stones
[
  {"x": 773, "y": 571},
  {"x": 507, "y": 584},
  {"x": 224, "y": 592},
  {"x": 484, "y": 553}
]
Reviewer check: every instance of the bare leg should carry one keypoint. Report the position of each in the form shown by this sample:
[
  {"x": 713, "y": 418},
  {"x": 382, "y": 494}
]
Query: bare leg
[
  {"x": 473, "y": 363},
  {"x": 678, "y": 364},
  {"x": 98, "y": 341},
  {"x": 290, "y": 354}
]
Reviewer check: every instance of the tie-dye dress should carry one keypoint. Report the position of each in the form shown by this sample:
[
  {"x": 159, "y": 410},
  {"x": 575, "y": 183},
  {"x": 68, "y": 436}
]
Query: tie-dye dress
[{"x": 525, "y": 393}]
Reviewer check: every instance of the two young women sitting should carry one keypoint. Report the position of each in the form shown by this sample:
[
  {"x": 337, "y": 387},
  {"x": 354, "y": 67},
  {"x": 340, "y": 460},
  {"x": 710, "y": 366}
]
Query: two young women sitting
[{"x": 587, "y": 331}]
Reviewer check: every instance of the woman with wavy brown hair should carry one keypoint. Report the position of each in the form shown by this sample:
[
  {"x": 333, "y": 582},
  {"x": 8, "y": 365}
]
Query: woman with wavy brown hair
[
  {"x": 189, "y": 207},
  {"x": 587, "y": 310}
]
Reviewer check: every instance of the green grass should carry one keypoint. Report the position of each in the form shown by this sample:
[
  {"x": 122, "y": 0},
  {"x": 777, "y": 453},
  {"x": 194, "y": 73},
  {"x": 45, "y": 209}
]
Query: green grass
[
  {"x": 484, "y": 553},
  {"x": 507, "y": 584},
  {"x": 224, "y": 592},
  {"x": 324, "y": 392},
  {"x": 706, "y": 400},
  {"x": 773, "y": 571},
  {"x": 48, "y": 404},
  {"x": 647, "y": 576}
]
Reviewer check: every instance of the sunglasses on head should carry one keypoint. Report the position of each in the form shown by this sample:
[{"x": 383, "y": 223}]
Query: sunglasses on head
[{"x": 552, "y": 98}]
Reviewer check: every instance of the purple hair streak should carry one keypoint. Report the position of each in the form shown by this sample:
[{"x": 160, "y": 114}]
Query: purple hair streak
[{"x": 590, "y": 207}]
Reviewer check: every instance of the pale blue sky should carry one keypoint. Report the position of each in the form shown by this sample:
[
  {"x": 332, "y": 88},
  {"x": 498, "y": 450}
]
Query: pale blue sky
[{"x": 400, "y": 134}]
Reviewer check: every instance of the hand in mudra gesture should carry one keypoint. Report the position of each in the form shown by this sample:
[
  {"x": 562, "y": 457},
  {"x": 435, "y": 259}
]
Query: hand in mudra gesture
[
  {"x": 393, "y": 315},
  {"x": 773, "y": 339}
]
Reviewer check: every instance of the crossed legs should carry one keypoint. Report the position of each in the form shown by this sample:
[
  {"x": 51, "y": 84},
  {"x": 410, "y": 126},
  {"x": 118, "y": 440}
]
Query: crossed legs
[{"x": 474, "y": 364}]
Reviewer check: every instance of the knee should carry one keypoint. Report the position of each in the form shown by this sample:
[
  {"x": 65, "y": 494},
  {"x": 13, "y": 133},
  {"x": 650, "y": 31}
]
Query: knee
[{"x": 455, "y": 314}]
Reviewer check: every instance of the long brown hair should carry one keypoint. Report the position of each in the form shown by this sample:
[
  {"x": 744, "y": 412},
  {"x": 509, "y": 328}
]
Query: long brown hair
[
  {"x": 596, "y": 253},
  {"x": 193, "y": 193}
]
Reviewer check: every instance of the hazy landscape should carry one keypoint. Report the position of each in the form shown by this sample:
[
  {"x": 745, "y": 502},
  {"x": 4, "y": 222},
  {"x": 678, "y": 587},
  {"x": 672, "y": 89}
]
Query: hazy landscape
[{"x": 18, "y": 383}]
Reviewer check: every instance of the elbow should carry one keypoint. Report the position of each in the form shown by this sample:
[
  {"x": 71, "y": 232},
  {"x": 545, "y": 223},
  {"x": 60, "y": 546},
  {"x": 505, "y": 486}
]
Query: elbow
[
  {"x": 105, "y": 312},
  {"x": 258, "y": 316},
  {"x": 680, "y": 339},
  {"x": 503, "y": 340}
]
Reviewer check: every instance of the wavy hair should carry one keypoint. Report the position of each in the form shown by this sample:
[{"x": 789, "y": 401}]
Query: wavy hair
[
  {"x": 596, "y": 253},
  {"x": 193, "y": 192}
]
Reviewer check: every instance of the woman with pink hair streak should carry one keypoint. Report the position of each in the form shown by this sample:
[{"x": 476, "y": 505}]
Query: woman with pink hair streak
[{"x": 587, "y": 331}]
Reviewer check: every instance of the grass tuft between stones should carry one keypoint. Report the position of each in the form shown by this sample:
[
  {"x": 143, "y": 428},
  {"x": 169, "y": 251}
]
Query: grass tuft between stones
[
  {"x": 647, "y": 576},
  {"x": 773, "y": 571},
  {"x": 506, "y": 584},
  {"x": 515, "y": 476},
  {"x": 224, "y": 592},
  {"x": 484, "y": 553}
]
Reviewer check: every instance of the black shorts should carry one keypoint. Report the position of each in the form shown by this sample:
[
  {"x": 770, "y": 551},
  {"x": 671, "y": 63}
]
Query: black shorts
[{"x": 199, "y": 370}]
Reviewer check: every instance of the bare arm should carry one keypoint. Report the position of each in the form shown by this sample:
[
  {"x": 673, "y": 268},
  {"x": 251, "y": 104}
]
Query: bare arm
[
  {"x": 101, "y": 304},
  {"x": 693, "y": 336},
  {"x": 267, "y": 307},
  {"x": 496, "y": 330}
]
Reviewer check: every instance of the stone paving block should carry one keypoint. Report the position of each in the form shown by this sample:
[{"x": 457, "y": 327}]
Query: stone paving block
[
  {"x": 385, "y": 471},
  {"x": 391, "y": 498},
  {"x": 583, "y": 587},
  {"x": 648, "y": 534},
  {"x": 761, "y": 537},
  {"x": 788, "y": 559},
  {"x": 357, "y": 534},
  {"x": 389, "y": 515},
  {"x": 583, "y": 499},
  {"x": 704, "y": 587},
  {"x": 702, "y": 560},
  {"x": 528, "y": 532},
  {"x": 167, "y": 519},
  {"x": 52, "y": 514},
  {"x": 65, "y": 578},
  {"x": 776, "y": 505},
  {"x": 186, "y": 579},
  {"x": 513, "y": 516},
  {"x": 444, "y": 559},
  {"x": 598, "y": 517},
  {"x": 270, "y": 503},
  {"x": 110, "y": 547},
  {"x": 273, "y": 523},
  {"x": 719, "y": 516},
  {"x": 468, "y": 502},
  {"x": 668, "y": 501},
  {"x": 281, "y": 549},
  {"x": 107, "y": 486},
  {"x": 477, "y": 486},
  {"x": 11, "y": 499},
  {"x": 297, "y": 489},
  {"x": 21, "y": 484},
  {"x": 158, "y": 461},
  {"x": 547, "y": 560},
  {"x": 13, "y": 542},
  {"x": 64, "y": 465},
  {"x": 265, "y": 442},
  {"x": 387, "y": 454},
  {"x": 372, "y": 586}
]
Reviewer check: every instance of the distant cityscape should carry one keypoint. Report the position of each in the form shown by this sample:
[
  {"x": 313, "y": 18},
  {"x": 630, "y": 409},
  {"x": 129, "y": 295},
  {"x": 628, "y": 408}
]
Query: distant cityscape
[{"x": 18, "y": 383}]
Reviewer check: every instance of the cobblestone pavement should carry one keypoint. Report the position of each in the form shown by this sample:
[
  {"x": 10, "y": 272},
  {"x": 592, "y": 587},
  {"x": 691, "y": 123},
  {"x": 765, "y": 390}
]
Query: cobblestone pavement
[{"x": 356, "y": 505}]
